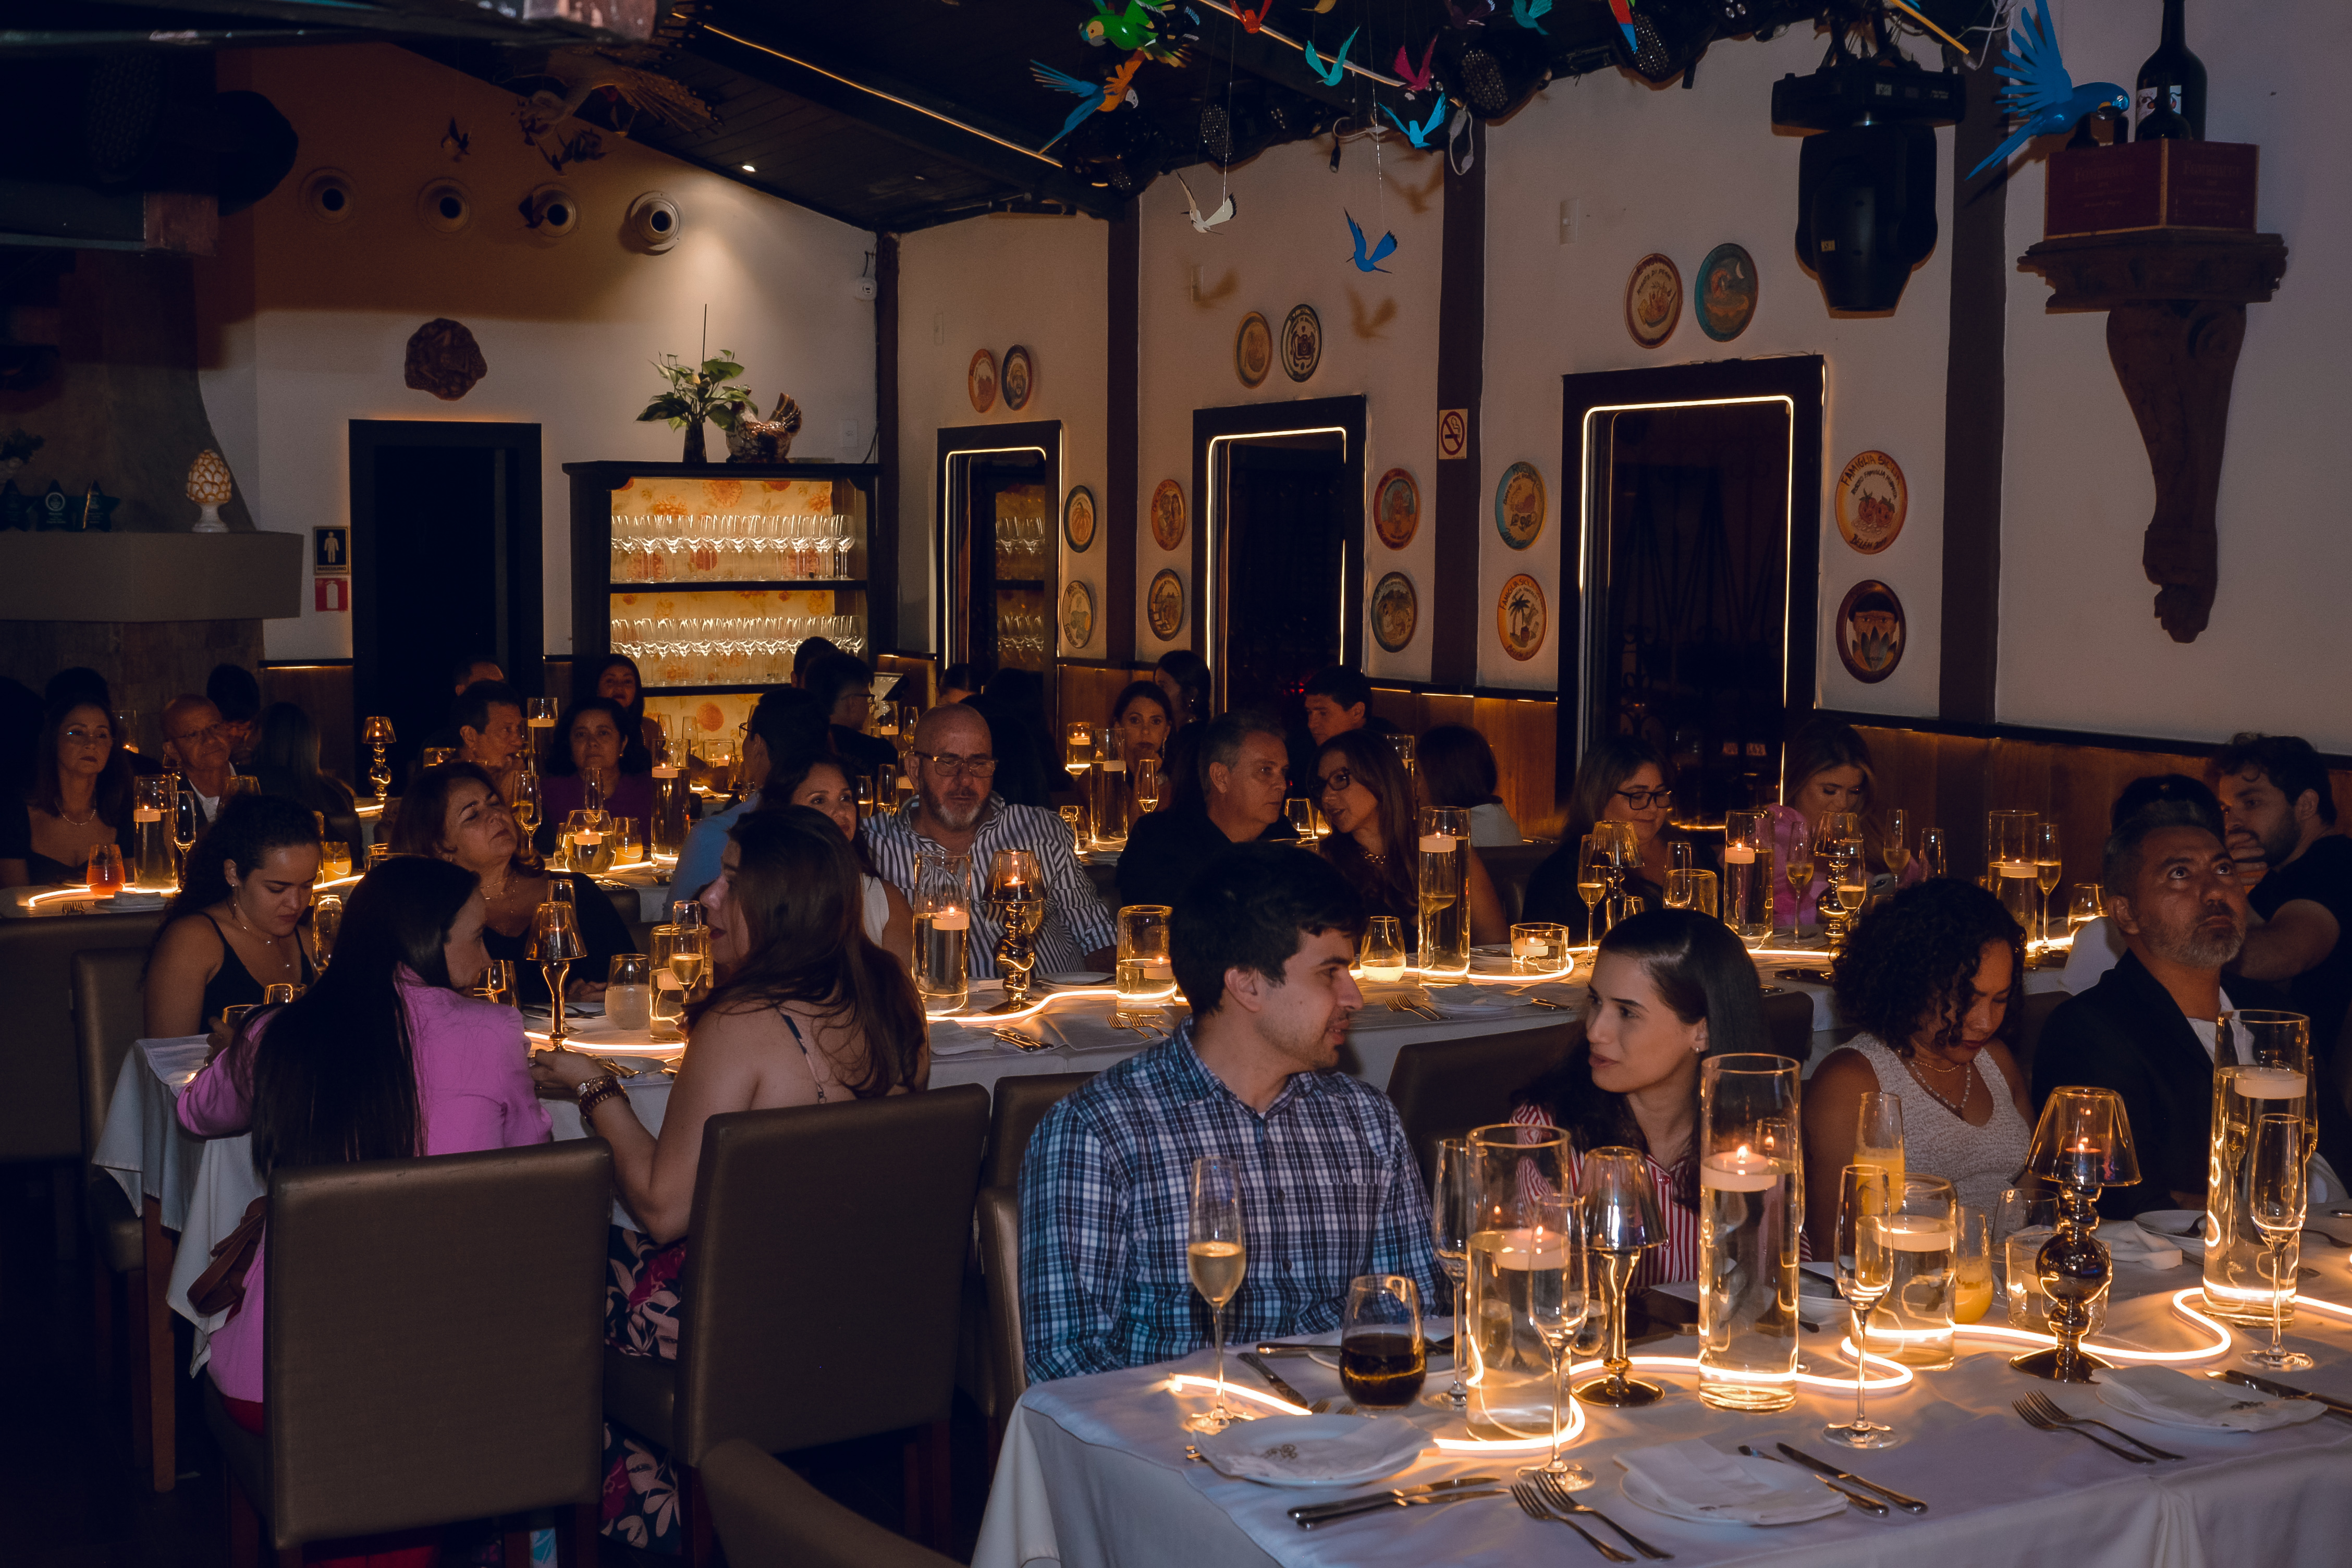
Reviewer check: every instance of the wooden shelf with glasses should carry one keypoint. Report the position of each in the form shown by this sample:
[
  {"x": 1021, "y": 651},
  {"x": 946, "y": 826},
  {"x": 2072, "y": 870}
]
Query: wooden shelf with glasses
[
  {"x": 1038, "y": 582},
  {"x": 775, "y": 584}
]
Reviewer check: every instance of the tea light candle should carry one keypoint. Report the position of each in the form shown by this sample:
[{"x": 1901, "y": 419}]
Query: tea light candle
[
  {"x": 1438, "y": 843},
  {"x": 2269, "y": 1083},
  {"x": 951, "y": 920},
  {"x": 588, "y": 840},
  {"x": 1742, "y": 1171},
  {"x": 1527, "y": 947},
  {"x": 1740, "y": 855},
  {"x": 146, "y": 813},
  {"x": 664, "y": 770}
]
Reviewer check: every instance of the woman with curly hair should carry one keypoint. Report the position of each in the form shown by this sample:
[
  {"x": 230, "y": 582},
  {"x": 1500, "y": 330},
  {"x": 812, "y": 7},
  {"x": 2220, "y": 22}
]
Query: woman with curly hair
[{"x": 1933, "y": 975}]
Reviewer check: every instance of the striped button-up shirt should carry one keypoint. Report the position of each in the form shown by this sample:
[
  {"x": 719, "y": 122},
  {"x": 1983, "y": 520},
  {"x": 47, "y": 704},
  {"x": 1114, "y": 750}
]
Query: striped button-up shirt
[
  {"x": 1076, "y": 921},
  {"x": 1330, "y": 1190}
]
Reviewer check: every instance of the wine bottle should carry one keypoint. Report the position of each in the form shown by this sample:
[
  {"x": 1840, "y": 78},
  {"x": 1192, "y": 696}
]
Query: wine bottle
[{"x": 2170, "y": 92}]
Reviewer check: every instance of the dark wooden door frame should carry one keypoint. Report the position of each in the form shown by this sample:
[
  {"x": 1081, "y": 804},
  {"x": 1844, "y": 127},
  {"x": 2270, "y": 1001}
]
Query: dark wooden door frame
[
  {"x": 517, "y": 591},
  {"x": 1210, "y": 426},
  {"x": 956, "y": 439},
  {"x": 1803, "y": 380}
]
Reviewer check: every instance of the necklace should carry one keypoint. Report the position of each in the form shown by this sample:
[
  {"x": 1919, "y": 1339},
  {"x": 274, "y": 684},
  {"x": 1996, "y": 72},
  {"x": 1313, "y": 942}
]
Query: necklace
[
  {"x": 1959, "y": 1109},
  {"x": 274, "y": 943},
  {"x": 75, "y": 821}
]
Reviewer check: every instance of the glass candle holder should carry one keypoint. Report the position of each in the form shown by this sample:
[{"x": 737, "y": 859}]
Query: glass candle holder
[
  {"x": 1539, "y": 948},
  {"x": 1508, "y": 1369},
  {"x": 1444, "y": 888},
  {"x": 1748, "y": 876},
  {"x": 2270, "y": 1075},
  {"x": 1751, "y": 1178},
  {"x": 1147, "y": 979}
]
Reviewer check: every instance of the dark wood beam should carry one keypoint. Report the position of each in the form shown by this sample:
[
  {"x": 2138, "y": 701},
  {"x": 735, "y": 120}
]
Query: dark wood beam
[
  {"x": 1122, "y": 432},
  {"x": 882, "y": 606},
  {"x": 1456, "y": 516},
  {"x": 1975, "y": 410}
]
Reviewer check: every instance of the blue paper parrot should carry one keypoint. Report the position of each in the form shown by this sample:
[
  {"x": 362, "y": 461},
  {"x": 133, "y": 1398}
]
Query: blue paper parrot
[
  {"x": 1623, "y": 11},
  {"x": 1525, "y": 12},
  {"x": 1095, "y": 96},
  {"x": 1419, "y": 134},
  {"x": 1330, "y": 77},
  {"x": 2040, "y": 90},
  {"x": 1380, "y": 252}
]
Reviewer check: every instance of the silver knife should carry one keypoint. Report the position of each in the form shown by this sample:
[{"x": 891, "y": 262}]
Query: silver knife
[
  {"x": 1907, "y": 1504},
  {"x": 1312, "y": 1514},
  {"x": 1869, "y": 1505},
  {"x": 1257, "y": 1365},
  {"x": 2280, "y": 1390}
]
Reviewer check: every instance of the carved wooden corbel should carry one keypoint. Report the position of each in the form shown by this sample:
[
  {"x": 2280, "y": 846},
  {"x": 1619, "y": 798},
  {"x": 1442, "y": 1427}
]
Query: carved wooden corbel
[{"x": 2176, "y": 302}]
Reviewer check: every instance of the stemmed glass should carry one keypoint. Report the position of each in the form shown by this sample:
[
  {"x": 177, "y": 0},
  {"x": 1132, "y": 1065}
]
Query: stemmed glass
[
  {"x": 1301, "y": 813},
  {"x": 2089, "y": 904},
  {"x": 1865, "y": 1272},
  {"x": 1796, "y": 870},
  {"x": 1558, "y": 1295},
  {"x": 1932, "y": 850},
  {"x": 556, "y": 944},
  {"x": 1149, "y": 785},
  {"x": 1591, "y": 885},
  {"x": 1896, "y": 849},
  {"x": 2277, "y": 1190},
  {"x": 2048, "y": 868},
  {"x": 1216, "y": 1255},
  {"x": 1453, "y": 1195},
  {"x": 1621, "y": 1222},
  {"x": 326, "y": 922}
]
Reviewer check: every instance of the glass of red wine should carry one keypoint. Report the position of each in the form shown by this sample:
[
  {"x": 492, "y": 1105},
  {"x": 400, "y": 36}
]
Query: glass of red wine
[{"x": 1382, "y": 1357}]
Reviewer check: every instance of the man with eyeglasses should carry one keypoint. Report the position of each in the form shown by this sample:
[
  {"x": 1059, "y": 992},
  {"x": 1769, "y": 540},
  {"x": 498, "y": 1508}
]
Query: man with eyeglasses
[
  {"x": 956, "y": 810},
  {"x": 1244, "y": 776},
  {"x": 195, "y": 742}
]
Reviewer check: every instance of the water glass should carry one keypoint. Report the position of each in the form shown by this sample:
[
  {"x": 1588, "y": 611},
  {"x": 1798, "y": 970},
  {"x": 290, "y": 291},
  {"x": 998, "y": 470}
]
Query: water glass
[
  {"x": 1382, "y": 1356},
  {"x": 1380, "y": 956},
  {"x": 1921, "y": 1234},
  {"x": 1972, "y": 1266},
  {"x": 1147, "y": 979},
  {"x": 1301, "y": 813},
  {"x": 629, "y": 991}
]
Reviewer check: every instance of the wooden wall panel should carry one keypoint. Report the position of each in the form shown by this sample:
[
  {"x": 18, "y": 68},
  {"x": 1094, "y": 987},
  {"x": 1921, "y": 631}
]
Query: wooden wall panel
[
  {"x": 324, "y": 692},
  {"x": 145, "y": 663},
  {"x": 1086, "y": 691},
  {"x": 1524, "y": 732}
]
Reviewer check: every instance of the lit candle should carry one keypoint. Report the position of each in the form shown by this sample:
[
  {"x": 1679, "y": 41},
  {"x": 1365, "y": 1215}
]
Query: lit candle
[
  {"x": 951, "y": 919},
  {"x": 1742, "y": 1171},
  {"x": 2269, "y": 1083},
  {"x": 1526, "y": 947},
  {"x": 1740, "y": 855},
  {"x": 664, "y": 770},
  {"x": 146, "y": 813},
  {"x": 1438, "y": 843},
  {"x": 2089, "y": 1162}
]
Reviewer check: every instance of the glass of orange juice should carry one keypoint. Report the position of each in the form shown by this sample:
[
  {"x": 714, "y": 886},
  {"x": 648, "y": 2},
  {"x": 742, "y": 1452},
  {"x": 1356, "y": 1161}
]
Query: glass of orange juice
[{"x": 1972, "y": 1266}]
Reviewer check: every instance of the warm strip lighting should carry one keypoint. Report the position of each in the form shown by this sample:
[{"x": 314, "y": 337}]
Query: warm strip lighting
[
  {"x": 886, "y": 97},
  {"x": 60, "y": 894},
  {"x": 947, "y": 499},
  {"x": 982, "y": 1019}
]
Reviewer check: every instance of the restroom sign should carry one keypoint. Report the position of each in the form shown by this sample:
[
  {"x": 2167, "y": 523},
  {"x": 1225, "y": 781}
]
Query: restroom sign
[{"x": 331, "y": 552}]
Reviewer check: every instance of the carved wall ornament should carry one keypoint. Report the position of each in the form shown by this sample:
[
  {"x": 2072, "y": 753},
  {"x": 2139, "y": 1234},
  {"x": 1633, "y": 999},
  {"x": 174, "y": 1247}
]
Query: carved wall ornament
[{"x": 444, "y": 360}]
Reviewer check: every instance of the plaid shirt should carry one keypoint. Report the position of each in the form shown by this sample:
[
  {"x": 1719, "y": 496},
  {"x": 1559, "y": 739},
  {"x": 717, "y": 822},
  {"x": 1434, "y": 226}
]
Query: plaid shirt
[
  {"x": 1330, "y": 1190},
  {"x": 1076, "y": 921}
]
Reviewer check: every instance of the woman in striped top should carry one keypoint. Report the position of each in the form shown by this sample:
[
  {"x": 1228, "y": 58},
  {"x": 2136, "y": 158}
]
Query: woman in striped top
[{"x": 1669, "y": 986}]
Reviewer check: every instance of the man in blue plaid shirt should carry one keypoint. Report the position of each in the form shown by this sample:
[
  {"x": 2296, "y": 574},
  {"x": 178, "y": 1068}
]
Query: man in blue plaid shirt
[{"x": 1261, "y": 945}]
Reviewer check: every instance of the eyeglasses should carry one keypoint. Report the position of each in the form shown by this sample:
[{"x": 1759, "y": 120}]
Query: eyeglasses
[
  {"x": 949, "y": 766},
  {"x": 1336, "y": 784},
  {"x": 209, "y": 733},
  {"x": 1640, "y": 799}
]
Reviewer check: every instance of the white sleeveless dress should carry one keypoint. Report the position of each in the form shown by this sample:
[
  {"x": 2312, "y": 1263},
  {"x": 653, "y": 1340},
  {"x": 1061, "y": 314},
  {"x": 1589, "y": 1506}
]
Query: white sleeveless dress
[{"x": 1978, "y": 1162}]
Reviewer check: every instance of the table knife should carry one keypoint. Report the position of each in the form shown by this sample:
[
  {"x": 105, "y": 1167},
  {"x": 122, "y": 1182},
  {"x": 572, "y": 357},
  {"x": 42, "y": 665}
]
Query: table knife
[
  {"x": 1257, "y": 1363},
  {"x": 1907, "y": 1504},
  {"x": 1869, "y": 1505},
  {"x": 2248, "y": 1379},
  {"x": 1307, "y": 1516}
]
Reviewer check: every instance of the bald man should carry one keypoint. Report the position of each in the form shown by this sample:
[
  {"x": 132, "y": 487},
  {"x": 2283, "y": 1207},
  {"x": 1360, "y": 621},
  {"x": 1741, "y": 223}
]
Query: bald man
[
  {"x": 957, "y": 811},
  {"x": 197, "y": 743}
]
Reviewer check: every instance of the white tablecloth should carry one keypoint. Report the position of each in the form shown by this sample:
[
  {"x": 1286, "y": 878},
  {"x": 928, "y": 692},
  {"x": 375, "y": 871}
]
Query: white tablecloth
[{"x": 1093, "y": 1473}]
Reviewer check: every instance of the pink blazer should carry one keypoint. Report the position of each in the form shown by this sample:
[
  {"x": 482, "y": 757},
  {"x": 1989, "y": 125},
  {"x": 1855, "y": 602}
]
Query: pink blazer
[{"x": 473, "y": 1089}]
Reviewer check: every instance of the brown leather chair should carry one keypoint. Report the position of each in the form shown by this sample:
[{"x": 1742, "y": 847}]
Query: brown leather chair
[
  {"x": 2032, "y": 1015},
  {"x": 389, "y": 1410},
  {"x": 1443, "y": 1089},
  {"x": 819, "y": 1297},
  {"x": 769, "y": 1518},
  {"x": 109, "y": 1001},
  {"x": 999, "y": 1213},
  {"x": 1788, "y": 1021},
  {"x": 1016, "y": 1108}
]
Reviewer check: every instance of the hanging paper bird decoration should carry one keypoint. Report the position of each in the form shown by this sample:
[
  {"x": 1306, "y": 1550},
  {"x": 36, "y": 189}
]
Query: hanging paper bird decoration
[
  {"x": 1322, "y": 7},
  {"x": 1130, "y": 28},
  {"x": 1252, "y": 21},
  {"x": 1525, "y": 12},
  {"x": 1416, "y": 81},
  {"x": 1380, "y": 253},
  {"x": 2041, "y": 92},
  {"x": 1474, "y": 15},
  {"x": 1330, "y": 75},
  {"x": 1623, "y": 11},
  {"x": 1097, "y": 97},
  {"x": 1419, "y": 134},
  {"x": 1192, "y": 209}
]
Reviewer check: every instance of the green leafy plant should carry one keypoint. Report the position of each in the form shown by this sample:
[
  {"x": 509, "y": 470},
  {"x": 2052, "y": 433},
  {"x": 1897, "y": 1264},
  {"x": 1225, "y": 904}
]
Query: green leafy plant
[{"x": 698, "y": 392}]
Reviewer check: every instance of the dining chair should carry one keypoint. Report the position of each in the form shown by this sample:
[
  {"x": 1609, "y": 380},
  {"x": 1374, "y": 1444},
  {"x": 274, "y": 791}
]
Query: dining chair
[
  {"x": 109, "y": 1001},
  {"x": 1443, "y": 1089},
  {"x": 1016, "y": 1108},
  {"x": 1789, "y": 1024},
  {"x": 1509, "y": 866},
  {"x": 433, "y": 1351},
  {"x": 767, "y": 1517},
  {"x": 824, "y": 1317},
  {"x": 998, "y": 1210}
]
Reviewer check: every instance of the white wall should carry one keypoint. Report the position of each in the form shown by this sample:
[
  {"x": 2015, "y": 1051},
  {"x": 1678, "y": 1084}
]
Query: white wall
[{"x": 313, "y": 335}]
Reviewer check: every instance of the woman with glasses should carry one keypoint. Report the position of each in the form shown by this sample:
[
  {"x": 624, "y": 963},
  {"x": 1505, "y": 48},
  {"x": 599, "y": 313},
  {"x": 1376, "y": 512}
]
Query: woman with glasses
[
  {"x": 592, "y": 742},
  {"x": 1373, "y": 842},
  {"x": 1620, "y": 779},
  {"x": 81, "y": 799}
]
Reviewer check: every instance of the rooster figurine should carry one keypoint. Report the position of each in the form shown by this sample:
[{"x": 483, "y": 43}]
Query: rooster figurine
[{"x": 768, "y": 440}]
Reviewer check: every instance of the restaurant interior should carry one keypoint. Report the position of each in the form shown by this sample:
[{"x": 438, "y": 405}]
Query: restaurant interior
[{"x": 1606, "y": 489}]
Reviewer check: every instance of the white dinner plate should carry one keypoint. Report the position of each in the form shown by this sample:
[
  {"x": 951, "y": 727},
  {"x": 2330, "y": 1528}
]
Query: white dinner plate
[
  {"x": 1314, "y": 1450},
  {"x": 1781, "y": 1478}
]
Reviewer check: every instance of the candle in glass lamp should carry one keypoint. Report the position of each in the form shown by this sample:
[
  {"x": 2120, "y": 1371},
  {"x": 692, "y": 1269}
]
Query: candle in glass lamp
[
  {"x": 1527, "y": 947},
  {"x": 146, "y": 813},
  {"x": 1740, "y": 855},
  {"x": 950, "y": 918},
  {"x": 1741, "y": 1171},
  {"x": 1438, "y": 843},
  {"x": 2085, "y": 1165},
  {"x": 2269, "y": 1083}
]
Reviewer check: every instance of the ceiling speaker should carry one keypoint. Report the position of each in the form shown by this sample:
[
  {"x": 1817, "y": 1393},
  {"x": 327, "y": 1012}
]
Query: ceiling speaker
[
  {"x": 327, "y": 195},
  {"x": 444, "y": 206},
  {"x": 550, "y": 212},
  {"x": 655, "y": 222}
]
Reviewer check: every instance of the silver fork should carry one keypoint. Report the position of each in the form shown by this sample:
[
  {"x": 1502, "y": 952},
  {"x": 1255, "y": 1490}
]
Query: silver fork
[
  {"x": 2053, "y": 1411},
  {"x": 1562, "y": 1498},
  {"x": 2034, "y": 1417},
  {"x": 1531, "y": 1503}
]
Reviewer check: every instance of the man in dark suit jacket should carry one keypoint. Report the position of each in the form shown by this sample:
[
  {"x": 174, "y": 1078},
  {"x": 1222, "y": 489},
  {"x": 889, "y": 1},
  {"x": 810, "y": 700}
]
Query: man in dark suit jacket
[
  {"x": 2146, "y": 1029},
  {"x": 1243, "y": 786}
]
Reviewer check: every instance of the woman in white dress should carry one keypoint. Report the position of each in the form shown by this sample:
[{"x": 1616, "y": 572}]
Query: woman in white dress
[
  {"x": 817, "y": 780},
  {"x": 1933, "y": 977}
]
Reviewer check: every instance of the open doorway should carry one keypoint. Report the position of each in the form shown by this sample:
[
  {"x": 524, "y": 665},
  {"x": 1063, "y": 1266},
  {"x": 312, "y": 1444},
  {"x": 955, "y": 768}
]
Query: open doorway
[
  {"x": 444, "y": 564},
  {"x": 998, "y": 550},
  {"x": 1281, "y": 544}
]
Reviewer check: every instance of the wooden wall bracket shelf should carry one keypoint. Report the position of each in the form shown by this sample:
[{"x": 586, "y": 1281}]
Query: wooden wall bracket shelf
[{"x": 2176, "y": 302}]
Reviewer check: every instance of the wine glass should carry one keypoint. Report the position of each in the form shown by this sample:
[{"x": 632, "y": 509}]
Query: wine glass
[
  {"x": 2277, "y": 1189},
  {"x": 556, "y": 945},
  {"x": 1382, "y": 955},
  {"x": 1896, "y": 848},
  {"x": 2089, "y": 904},
  {"x": 1382, "y": 1356},
  {"x": 1216, "y": 1255},
  {"x": 1074, "y": 817},
  {"x": 498, "y": 982},
  {"x": 1621, "y": 1222},
  {"x": 1934, "y": 851},
  {"x": 1865, "y": 1271},
  {"x": 2048, "y": 868},
  {"x": 326, "y": 921},
  {"x": 1452, "y": 1198},
  {"x": 1558, "y": 1295},
  {"x": 1301, "y": 813},
  {"x": 1591, "y": 884},
  {"x": 1796, "y": 870}
]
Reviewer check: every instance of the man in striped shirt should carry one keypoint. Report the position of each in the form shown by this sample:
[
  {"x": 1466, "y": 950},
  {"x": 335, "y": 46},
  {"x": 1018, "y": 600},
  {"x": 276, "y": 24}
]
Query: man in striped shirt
[
  {"x": 955, "y": 810},
  {"x": 1330, "y": 1190}
]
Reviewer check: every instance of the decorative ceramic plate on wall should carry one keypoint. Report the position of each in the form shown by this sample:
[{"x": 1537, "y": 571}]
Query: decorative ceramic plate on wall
[
  {"x": 1079, "y": 613},
  {"x": 1726, "y": 293},
  {"x": 1520, "y": 617},
  {"x": 1653, "y": 300},
  {"x": 1018, "y": 378},
  {"x": 979, "y": 382},
  {"x": 1519, "y": 505},
  {"x": 1078, "y": 518},
  {"x": 1302, "y": 343},
  {"x": 1253, "y": 350},
  {"x": 1871, "y": 501},
  {"x": 1164, "y": 606},
  {"x": 1396, "y": 612},
  {"x": 1871, "y": 629},
  {"x": 1168, "y": 514},
  {"x": 1396, "y": 508}
]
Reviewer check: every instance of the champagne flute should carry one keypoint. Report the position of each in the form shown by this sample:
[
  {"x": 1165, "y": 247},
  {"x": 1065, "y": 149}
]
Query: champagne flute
[
  {"x": 1558, "y": 1295},
  {"x": 1896, "y": 849},
  {"x": 1216, "y": 1255},
  {"x": 326, "y": 921},
  {"x": 2277, "y": 1190},
  {"x": 1149, "y": 785},
  {"x": 1797, "y": 869},
  {"x": 1878, "y": 1136},
  {"x": 1865, "y": 1271},
  {"x": 1591, "y": 884},
  {"x": 2048, "y": 868},
  {"x": 1452, "y": 1198}
]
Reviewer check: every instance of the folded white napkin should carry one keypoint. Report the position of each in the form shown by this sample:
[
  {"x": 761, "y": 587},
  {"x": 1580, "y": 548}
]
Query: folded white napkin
[
  {"x": 1697, "y": 1478},
  {"x": 954, "y": 1040},
  {"x": 1313, "y": 1450},
  {"x": 1469, "y": 1001},
  {"x": 2167, "y": 1395},
  {"x": 2129, "y": 1243}
]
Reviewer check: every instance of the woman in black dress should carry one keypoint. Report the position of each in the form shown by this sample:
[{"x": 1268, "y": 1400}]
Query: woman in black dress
[
  {"x": 80, "y": 798},
  {"x": 236, "y": 925}
]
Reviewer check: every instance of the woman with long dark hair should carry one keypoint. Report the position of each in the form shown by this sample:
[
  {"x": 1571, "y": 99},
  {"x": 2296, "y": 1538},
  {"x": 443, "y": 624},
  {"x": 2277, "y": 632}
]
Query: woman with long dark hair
[
  {"x": 805, "y": 1011},
  {"x": 1669, "y": 987},
  {"x": 1183, "y": 679},
  {"x": 236, "y": 925},
  {"x": 614, "y": 678},
  {"x": 81, "y": 799},
  {"x": 1457, "y": 769},
  {"x": 1373, "y": 842},
  {"x": 381, "y": 1058},
  {"x": 1620, "y": 779},
  {"x": 817, "y": 781},
  {"x": 286, "y": 761},
  {"x": 1826, "y": 767}
]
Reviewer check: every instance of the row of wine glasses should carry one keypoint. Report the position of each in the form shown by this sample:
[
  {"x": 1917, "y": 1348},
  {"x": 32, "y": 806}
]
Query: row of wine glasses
[
  {"x": 736, "y": 547},
  {"x": 1021, "y": 635},
  {"x": 1022, "y": 539},
  {"x": 730, "y": 650}
]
